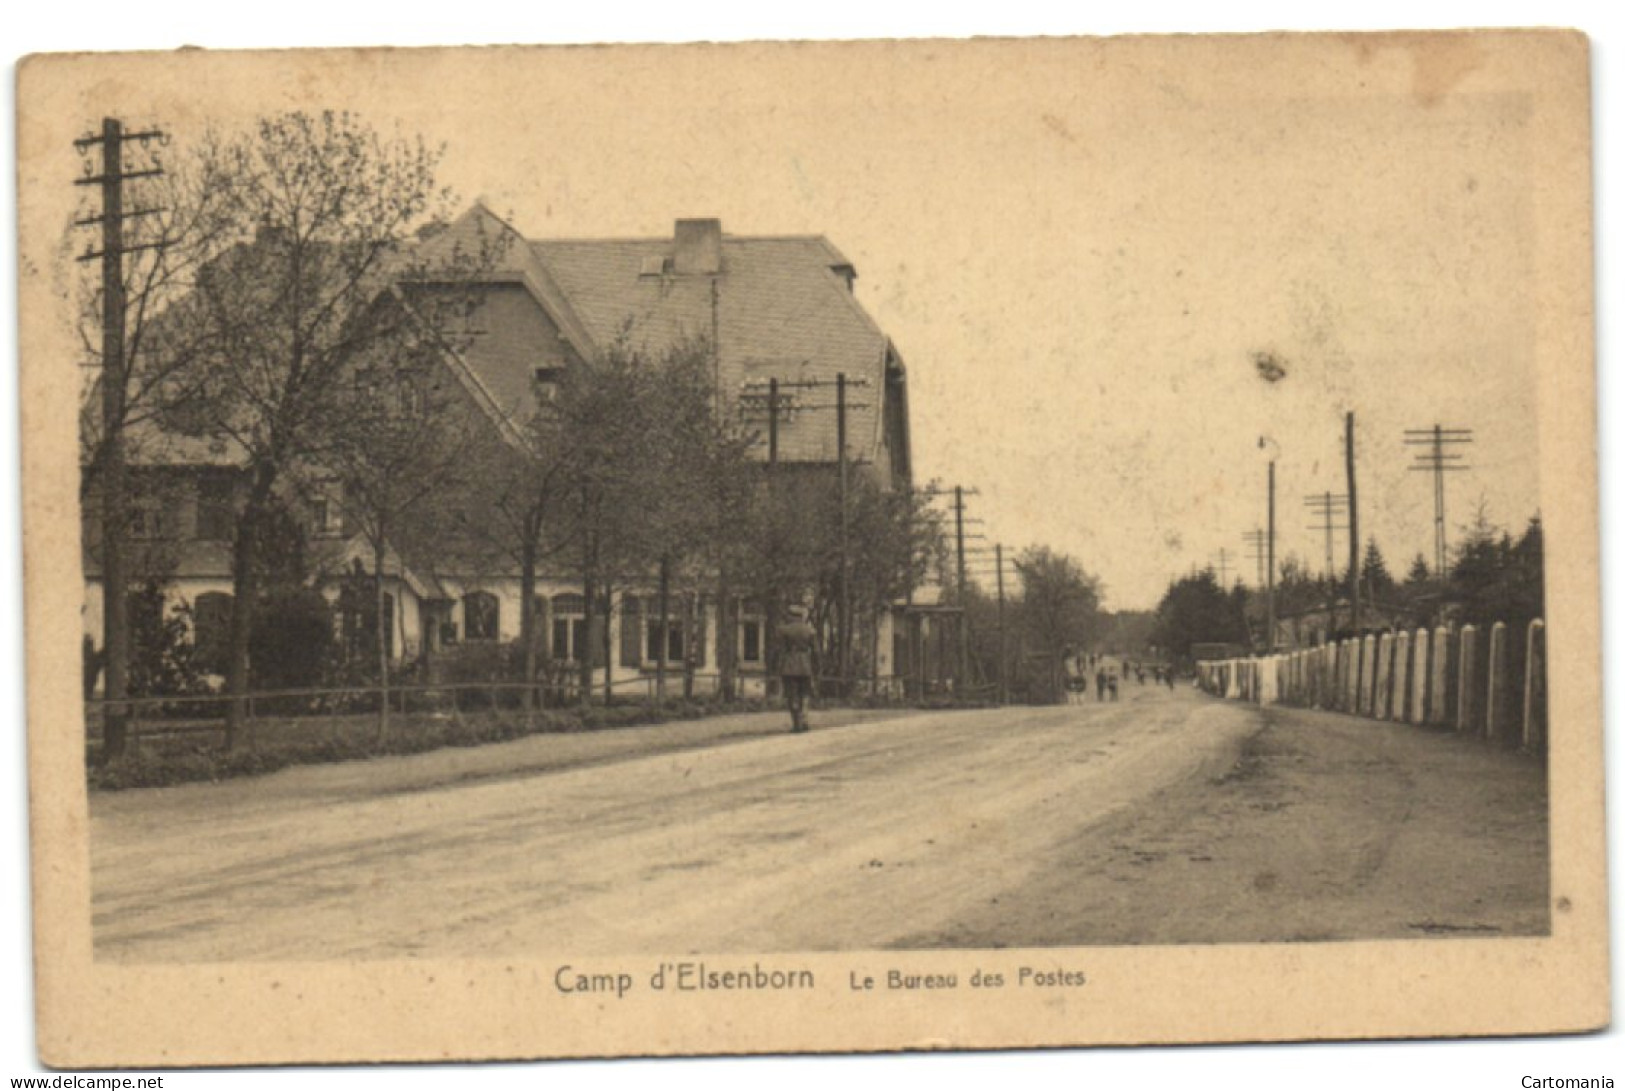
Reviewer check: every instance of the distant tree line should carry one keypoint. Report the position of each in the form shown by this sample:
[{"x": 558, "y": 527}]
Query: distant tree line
[{"x": 1493, "y": 576}]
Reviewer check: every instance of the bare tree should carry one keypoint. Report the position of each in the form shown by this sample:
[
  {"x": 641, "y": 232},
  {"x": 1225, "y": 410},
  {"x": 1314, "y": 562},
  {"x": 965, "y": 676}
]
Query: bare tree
[
  {"x": 183, "y": 226},
  {"x": 318, "y": 215},
  {"x": 638, "y": 468},
  {"x": 518, "y": 499},
  {"x": 693, "y": 514},
  {"x": 403, "y": 445},
  {"x": 789, "y": 545}
]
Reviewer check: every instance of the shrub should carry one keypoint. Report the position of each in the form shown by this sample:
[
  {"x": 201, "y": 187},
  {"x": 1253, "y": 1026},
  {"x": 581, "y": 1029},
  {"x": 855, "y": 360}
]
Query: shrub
[
  {"x": 477, "y": 662},
  {"x": 160, "y": 648},
  {"x": 292, "y": 639}
]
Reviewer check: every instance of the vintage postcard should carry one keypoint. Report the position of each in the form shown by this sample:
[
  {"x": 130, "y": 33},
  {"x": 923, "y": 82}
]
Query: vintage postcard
[{"x": 810, "y": 547}]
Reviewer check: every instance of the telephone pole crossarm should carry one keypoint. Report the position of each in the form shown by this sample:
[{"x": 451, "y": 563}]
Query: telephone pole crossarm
[{"x": 1435, "y": 459}]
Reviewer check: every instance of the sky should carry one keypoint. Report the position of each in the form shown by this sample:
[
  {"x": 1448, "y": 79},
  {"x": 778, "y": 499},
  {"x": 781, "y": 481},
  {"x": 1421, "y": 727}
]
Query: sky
[{"x": 1078, "y": 250}]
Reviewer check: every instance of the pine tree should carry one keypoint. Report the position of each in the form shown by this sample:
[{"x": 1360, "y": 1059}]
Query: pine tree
[
  {"x": 1196, "y": 610},
  {"x": 1379, "y": 582}
]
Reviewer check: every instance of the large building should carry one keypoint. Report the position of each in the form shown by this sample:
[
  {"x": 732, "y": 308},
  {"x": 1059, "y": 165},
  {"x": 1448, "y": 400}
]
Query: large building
[{"x": 768, "y": 307}]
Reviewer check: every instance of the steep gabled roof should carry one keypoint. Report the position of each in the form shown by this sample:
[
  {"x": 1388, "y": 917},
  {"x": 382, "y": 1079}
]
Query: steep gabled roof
[
  {"x": 521, "y": 322},
  {"x": 778, "y": 308},
  {"x": 479, "y": 231},
  {"x": 773, "y": 307}
]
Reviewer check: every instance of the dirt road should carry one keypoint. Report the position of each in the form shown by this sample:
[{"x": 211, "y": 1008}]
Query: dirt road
[{"x": 1130, "y": 822}]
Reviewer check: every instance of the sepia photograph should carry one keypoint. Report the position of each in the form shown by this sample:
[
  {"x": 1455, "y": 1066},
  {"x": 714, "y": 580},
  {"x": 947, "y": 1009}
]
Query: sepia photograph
[{"x": 810, "y": 546}]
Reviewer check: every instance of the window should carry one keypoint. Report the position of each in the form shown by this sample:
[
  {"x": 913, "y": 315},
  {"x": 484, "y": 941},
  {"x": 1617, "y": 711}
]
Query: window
[
  {"x": 329, "y": 520},
  {"x": 682, "y": 635},
  {"x": 481, "y": 616},
  {"x": 631, "y": 631},
  {"x": 357, "y": 614},
  {"x": 547, "y": 381},
  {"x": 573, "y": 637},
  {"x": 569, "y": 637},
  {"x": 214, "y": 507},
  {"x": 674, "y": 640},
  {"x": 147, "y": 517},
  {"x": 409, "y": 400},
  {"x": 211, "y": 631},
  {"x": 569, "y": 626},
  {"x": 327, "y": 510},
  {"x": 752, "y": 645},
  {"x": 448, "y": 627}
]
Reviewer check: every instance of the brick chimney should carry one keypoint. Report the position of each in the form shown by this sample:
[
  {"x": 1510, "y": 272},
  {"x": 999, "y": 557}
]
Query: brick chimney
[{"x": 699, "y": 247}]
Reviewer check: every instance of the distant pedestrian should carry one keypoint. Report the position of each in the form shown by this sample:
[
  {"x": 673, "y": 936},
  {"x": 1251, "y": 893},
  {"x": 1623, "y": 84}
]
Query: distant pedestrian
[
  {"x": 1100, "y": 684},
  {"x": 1111, "y": 685},
  {"x": 1076, "y": 687},
  {"x": 795, "y": 664},
  {"x": 1073, "y": 675},
  {"x": 1077, "y": 680}
]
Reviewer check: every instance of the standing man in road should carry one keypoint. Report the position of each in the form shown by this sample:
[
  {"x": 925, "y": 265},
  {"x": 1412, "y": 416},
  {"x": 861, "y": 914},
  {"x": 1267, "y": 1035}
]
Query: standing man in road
[
  {"x": 795, "y": 664},
  {"x": 1075, "y": 674}
]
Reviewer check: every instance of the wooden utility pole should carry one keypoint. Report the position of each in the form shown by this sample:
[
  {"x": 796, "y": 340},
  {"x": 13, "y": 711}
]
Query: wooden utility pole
[
  {"x": 1328, "y": 506},
  {"x": 844, "y": 632},
  {"x": 772, "y": 424},
  {"x": 589, "y": 595},
  {"x": 607, "y": 644},
  {"x": 1269, "y": 636},
  {"x": 959, "y": 546},
  {"x": 778, "y": 407},
  {"x": 770, "y": 592},
  {"x": 115, "y": 501},
  {"x": 662, "y": 625},
  {"x": 1437, "y": 461},
  {"x": 1004, "y": 680},
  {"x": 380, "y": 626},
  {"x": 1255, "y": 546},
  {"x": 1354, "y": 524}
]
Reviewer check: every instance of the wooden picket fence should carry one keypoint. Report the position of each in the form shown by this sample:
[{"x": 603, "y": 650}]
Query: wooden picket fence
[{"x": 1488, "y": 683}]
